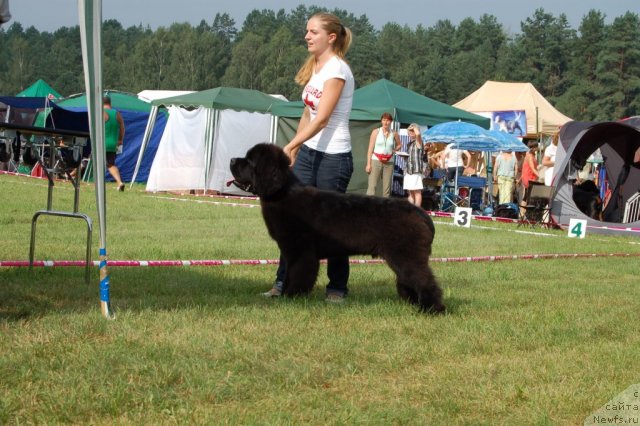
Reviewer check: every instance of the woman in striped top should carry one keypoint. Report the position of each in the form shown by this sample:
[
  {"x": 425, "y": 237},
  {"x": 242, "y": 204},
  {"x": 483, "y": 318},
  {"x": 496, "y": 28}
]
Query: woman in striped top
[{"x": 414, "y": 169}]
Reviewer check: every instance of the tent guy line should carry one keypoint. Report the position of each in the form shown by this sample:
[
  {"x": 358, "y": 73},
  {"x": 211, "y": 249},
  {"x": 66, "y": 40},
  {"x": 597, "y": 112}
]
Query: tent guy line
[
  {"x": 42, "y": 182},
  {"x": 539, "y": 234},
  {"x": 491, "y": 228},
  {"x": 218, "y": 203}
]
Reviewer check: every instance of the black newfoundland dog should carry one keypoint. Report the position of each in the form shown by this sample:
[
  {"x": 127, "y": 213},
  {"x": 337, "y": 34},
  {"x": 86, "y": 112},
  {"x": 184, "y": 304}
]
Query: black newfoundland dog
[{"x": 309, "y": 224}]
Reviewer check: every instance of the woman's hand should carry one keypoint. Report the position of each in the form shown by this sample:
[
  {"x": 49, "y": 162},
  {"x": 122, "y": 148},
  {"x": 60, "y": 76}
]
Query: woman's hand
[
  {"x": 367, "y": 168},
  {"x": 291, "y": 152}
]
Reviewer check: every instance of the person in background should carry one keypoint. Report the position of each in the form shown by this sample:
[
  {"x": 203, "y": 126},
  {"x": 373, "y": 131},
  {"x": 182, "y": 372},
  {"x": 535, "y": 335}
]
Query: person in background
[
  {"x": 414, "y": 169},
  {"x": 454, "y": 161},
  {"x": 529, "y": 171},
  {"x": 320, "y": 151},
  {"x": 383, "y": 142},
  {"x": 436, "y": 154},
  {"x": 549, "y": 160},
  {"x": 113, "y": 137},
  {"x": 506, "y": 168},
  {"x": 474, "y": 164}
]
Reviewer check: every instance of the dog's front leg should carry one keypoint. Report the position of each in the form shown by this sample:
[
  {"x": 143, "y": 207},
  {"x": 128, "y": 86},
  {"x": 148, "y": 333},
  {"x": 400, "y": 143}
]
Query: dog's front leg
[{"x": 301, "y": 273}]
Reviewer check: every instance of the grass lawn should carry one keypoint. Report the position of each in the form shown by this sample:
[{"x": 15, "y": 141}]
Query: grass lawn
[{"x": 545, "y": 341}]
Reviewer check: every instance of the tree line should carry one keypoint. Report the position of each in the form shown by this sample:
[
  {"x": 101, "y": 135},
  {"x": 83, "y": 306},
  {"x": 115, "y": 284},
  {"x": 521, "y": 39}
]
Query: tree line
[{"x": 588, "y": 73}]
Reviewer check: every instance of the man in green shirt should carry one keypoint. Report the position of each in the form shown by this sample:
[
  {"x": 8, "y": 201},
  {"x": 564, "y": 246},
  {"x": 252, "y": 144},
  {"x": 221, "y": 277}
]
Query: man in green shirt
[{"x": 113, "y": 136}]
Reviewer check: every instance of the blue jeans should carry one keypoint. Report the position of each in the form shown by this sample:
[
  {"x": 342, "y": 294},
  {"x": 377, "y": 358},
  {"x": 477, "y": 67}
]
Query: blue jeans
[{"x": 331, "y": 172}]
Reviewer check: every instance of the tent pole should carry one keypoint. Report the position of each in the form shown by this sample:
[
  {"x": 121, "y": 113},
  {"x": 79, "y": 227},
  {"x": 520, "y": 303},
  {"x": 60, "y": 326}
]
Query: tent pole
[
  {"x": 489, "y": 167},
  {"x": 271, "y": 129},
  {"x": 90, "y": 16},
  {"x": 151, "y": 122},
  {"x": 455, "y": 185},
  {"x": 210, "y": 136},
  {"x": 537, "y": 125}
]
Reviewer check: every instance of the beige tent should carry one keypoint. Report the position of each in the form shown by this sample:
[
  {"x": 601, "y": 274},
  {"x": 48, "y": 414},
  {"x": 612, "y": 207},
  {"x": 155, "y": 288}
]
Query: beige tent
[{"x": 501, "y": 96}]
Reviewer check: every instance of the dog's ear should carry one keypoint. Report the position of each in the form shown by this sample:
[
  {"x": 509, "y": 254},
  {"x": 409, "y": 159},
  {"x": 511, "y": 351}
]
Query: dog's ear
[{"x": 271, "y": 169}]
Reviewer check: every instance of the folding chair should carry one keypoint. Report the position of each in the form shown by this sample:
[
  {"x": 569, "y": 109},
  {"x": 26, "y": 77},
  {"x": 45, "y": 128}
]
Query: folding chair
[
  {"x": 473, "y": 191},
  {"x": 536, "y": 210},
  {"x": 449, "y": 199},
  {"x": 470, "y": 191}
]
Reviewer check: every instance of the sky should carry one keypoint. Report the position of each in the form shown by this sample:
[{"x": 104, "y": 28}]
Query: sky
[{"x": 49, "y": 15}]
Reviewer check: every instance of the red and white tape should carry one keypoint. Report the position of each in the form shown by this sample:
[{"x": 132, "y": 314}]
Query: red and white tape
[{"x": 143, "y": 263}]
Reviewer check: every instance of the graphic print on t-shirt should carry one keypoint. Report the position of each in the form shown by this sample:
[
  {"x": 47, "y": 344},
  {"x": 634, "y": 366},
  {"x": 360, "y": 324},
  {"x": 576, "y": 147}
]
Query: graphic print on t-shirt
[{"x": 311, "y": 96}]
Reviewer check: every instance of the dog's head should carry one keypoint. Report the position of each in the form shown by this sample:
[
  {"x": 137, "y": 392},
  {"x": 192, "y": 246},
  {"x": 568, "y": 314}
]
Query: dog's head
[{"x": 263, "y": 171}]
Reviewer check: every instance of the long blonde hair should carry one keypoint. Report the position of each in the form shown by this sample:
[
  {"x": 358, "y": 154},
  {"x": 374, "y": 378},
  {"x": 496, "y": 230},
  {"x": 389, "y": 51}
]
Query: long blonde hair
[{"x": 332, "y": 25}]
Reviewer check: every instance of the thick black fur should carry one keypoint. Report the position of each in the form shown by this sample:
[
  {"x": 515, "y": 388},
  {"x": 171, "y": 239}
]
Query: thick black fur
[
  {"x": 310, "y": 224},
  {"x": 586, "y": 195}
]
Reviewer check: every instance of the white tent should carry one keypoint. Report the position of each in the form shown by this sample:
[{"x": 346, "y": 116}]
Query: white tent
[
  {"x": 180, "y": 164},
  {"x": 204, "y": 131}
]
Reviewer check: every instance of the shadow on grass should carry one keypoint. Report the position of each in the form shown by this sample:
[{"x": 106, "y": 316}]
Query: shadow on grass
[{"x": 28, "y": 294}]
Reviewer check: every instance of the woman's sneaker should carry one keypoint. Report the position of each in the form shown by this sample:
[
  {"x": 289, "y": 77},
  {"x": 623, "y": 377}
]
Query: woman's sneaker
[{"x": 275, "y": 291}]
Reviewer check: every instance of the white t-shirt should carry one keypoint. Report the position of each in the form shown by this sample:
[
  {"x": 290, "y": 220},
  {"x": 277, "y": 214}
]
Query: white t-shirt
[
  {"x": 453, "y": 157},
  {"x": 335, "y": 137},
  {"x": 550, "y": 152}
]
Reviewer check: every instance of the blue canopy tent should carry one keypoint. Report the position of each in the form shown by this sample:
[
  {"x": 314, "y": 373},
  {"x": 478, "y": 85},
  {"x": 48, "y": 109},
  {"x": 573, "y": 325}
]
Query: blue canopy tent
[
  {"x": 27, "y": 102},
  {"x": 135, "y": 122},
  {"x": 472, "y": 137},
  {"x": 22, "y": 109},
  {"x": 508, "y": 141}
]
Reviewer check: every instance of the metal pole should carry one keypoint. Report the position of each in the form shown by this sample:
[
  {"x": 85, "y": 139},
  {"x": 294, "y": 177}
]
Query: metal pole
[{"x": 90, "y": 16}]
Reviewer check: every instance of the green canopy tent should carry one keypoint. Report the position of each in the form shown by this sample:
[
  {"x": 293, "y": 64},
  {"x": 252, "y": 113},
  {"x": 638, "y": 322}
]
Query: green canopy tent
[
  {"x": 369, "y": 102},
  {"x": 40, "y": 89},
  {"x": 120, "y": 100},
  {"x": 406, "y": 106},
  {"x": 31, "y": 116},
  {"x": 223, "y": 98}
]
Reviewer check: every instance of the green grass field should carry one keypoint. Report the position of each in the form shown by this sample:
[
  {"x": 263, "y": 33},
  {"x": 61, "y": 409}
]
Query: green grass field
[{"x": 524, "y": 341}]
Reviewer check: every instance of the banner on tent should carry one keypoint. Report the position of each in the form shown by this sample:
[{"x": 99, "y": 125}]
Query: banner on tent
[
  {"x": 514, "y": 122},
  {"x": 511, "y": 121}
]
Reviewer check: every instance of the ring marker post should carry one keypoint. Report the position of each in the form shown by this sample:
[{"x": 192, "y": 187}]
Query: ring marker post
[
  {"x": 462, "y": 217},
  {"x": 577, "y": 228}
]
